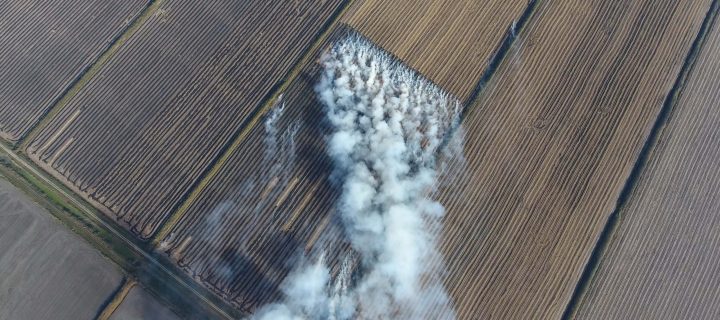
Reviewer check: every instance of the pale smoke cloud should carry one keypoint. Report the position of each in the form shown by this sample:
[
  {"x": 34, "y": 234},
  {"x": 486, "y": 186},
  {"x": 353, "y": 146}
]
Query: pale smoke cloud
[
  {"x": 388, "y": 124},
  {"x": 272, "y": 134},
  {"x": 279, "y": 158},
  {"x": 279, "y": 146},
  {"x": 305, "y": 295}
]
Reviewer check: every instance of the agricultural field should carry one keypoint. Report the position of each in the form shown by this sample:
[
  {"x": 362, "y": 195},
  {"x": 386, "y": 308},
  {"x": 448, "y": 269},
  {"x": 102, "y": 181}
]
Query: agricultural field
[
  {"x": 661, "y": 261},
  {"x": 45, "y": 47},
  {"x": 233, "y": 139},
  {"x": 272, "y": 199},
  {"x": 550, "y": 144},
  {"x": 270, "y": 202},
  {"x": 47, "y": 272},
  {"x": 136, "y": 138},
  {"x": 518, "y": 146},
  {"x": 449, "y": 42},
  {"x": 138, "y": 304},
  {"x": 541, "y": 175}
]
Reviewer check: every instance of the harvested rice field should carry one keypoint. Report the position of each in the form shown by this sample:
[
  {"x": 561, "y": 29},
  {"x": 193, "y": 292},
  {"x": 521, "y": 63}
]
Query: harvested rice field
[
  {"x": 481, "y": 199},
  {"x": 408, "y": 159},
  {"x": 661, "y": 261},
  {"x": 45, "y": 47},
  {"x": 549, "y": 146},
  {"x": 145, "y": 128},
  {"x": 449, "y": 42},
  {"x": 290, "y": 195}
]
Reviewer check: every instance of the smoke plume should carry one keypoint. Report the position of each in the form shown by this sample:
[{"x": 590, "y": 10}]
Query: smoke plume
[{"x": 387, "y": 126}]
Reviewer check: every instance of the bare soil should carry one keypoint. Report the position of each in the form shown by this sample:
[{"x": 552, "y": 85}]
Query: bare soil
[
  {"x": 139, "y": 304},
  {"x": 46, "y": 271}
]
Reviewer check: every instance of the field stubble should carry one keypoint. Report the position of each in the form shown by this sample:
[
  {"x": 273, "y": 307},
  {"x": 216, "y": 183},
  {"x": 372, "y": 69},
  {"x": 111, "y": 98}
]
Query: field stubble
[
  {"x": 244, "y": 229},
  {"x": 661, "y": 260},
  {"x": 137, "y": 137},
  {"x": 38, "y": 61}
]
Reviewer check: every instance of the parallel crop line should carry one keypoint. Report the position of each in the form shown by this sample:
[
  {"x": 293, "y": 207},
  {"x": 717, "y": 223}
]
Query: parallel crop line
[
  {"x": 247, "y": 128},
  {"x": 23, "y": 144}
]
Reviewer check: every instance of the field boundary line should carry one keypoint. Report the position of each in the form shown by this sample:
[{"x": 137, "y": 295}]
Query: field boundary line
[
  {"x": 497, "y": 58},
  {"x": 241, "y": 135},
  {"x": 578, "y": 295},
  {"x": 500, "y": 53},
  {"x": 88, "y": 74},
  {"x": 117, "y": 299}
]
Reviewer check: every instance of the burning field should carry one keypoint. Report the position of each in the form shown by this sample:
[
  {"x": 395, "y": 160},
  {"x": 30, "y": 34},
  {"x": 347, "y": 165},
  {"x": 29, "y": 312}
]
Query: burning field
[
  {"x": 306, "y": 160},
  {"x": 387, "y": 124}
]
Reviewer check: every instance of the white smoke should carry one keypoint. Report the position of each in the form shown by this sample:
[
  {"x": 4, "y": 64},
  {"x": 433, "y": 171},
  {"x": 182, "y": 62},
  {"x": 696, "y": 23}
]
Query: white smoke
[
  {"x": 272, "y": 134},
  {"x": 279, "y": 146},
  {"x": 388, "y": 123},
  {"x": 305, "y": 295}
]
